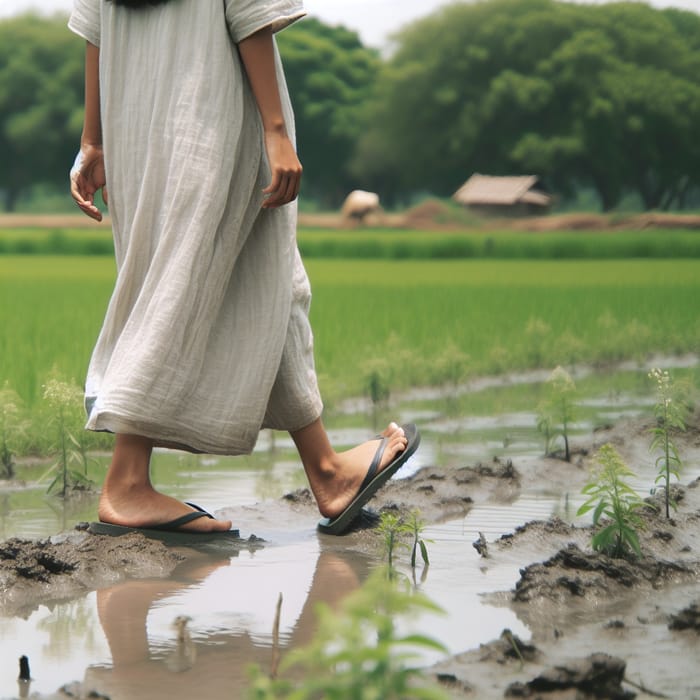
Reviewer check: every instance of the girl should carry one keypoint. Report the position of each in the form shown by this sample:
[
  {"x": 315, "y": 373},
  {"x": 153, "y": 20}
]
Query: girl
[{"x": 206, "y": 339}]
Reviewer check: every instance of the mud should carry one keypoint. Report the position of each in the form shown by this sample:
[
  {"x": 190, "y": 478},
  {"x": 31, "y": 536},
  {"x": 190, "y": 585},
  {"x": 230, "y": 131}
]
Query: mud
[{"x": 599, "y": 625}]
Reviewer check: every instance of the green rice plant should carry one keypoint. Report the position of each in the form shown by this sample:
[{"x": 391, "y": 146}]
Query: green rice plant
[
  {"x": 670, "y": 412},
  {"x": 378, "y": 374},
  {"x": 391, "y": 528},
  {"x": 10, "y": 426},
  {"x": 394, "y": 530},
  {"x": 403, "y": 312},
  {"x": 415, "y": 526},
  {"x": 65, "y": 402},
  {"x": 358, "y": 653},
  {"x": 556, "y": 411},
  {"x": 612, "y": 498},
  {"x": 538, "y": 337}
]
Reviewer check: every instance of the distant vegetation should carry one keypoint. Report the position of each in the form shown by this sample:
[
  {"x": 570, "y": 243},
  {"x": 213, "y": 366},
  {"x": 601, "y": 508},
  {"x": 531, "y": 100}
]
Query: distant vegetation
[
  {"x": 589, "y": 97},
  {"x": 402, "y": 244}
]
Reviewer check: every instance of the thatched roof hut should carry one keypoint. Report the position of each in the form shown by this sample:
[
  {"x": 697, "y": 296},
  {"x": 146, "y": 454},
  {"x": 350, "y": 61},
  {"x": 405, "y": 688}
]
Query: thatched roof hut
[{"x": 512, "y": 195}]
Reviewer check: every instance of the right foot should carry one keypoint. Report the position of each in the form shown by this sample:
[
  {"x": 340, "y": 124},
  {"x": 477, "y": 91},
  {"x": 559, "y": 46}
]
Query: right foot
[{"x": 146, "y": 507}]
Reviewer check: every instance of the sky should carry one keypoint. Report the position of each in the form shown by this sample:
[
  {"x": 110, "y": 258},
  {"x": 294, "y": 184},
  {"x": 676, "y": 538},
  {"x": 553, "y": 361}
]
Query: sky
[{"x": 374, "y": 20}]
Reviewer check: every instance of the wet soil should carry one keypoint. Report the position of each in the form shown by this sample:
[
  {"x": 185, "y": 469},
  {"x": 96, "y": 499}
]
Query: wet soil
[{"x": 601, "y": 627}]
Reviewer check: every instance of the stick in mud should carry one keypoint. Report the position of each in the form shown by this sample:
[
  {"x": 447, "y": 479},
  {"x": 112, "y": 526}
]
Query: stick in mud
[
  {"x": 24, "y": 673},
  {"x": 276, "y": 640}
]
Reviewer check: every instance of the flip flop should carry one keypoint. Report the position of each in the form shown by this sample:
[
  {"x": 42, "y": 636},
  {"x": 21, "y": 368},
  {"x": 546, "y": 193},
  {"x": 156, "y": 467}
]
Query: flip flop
[
  {"x": 372, "y": 482},
  {"x": 170, "y": 532}
]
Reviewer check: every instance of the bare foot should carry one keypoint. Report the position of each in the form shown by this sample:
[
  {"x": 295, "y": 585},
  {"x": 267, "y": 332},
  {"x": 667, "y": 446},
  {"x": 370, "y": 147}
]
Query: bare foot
[
  {"x": 143, "y": 506},
  {"x": 340, "y": 480}
]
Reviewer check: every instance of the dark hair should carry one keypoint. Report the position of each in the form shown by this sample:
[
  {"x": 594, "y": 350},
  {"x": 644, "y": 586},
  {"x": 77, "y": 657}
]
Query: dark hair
[{"x": 138, "y": 3}]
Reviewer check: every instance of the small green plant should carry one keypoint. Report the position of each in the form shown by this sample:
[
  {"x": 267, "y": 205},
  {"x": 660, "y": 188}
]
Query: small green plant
[
  {"x": 670, "y": 413},
  {"x": 358, "y": 653},
  {"x": 415, "y": 526},
  {"x": 556, "y": 411},
  {"x": 450, "y": 366},
  {"x": 610, "y": 497},
  {"x": 394, "y": 529},
  {"x": 378, "y": 375},
  {"x": 9, "y": 427},
  {"x": 391, "y": 529},
  {"x": 65, "y": 401}
]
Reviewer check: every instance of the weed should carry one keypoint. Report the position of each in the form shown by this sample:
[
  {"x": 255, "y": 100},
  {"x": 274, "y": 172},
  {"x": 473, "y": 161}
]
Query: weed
[
  {"x": 610, "y": 496},
  {"x": 378, "y": 375},
  {"x": 556, "y": 411},
  {"x": 670, "y": 413},
  {"x": 9, "y": 427},
  {"x": 391, "y": 528},
  {"x": 65, "y": 401},
  {"x": 537, "y": 331},
  {"x": 358, "y": 654}
]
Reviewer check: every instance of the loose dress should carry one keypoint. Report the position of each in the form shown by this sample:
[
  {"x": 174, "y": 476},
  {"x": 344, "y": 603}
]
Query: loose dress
[{"x": 206, "y": 338}]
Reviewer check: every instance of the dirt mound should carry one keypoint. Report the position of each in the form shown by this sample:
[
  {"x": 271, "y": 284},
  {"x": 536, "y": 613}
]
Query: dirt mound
[
  {"x": 572, "y": 572},
  {"x": 600, "y": 222},
  {"x": 427, "y": 213},
  {"x": 597, "y": 676}
]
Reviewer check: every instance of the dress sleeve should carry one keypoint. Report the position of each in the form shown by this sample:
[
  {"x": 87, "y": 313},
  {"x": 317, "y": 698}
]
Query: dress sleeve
[
  {"x": 245, "y": 17},
  {"x": 85, "y": 20}
]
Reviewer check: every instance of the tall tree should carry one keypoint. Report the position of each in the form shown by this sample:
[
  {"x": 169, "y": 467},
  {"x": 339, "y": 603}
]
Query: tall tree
[
  {"x": 603, "y": 96},
  {"x": 330, "y": 74},
  {"x": 41, "y": 83}
]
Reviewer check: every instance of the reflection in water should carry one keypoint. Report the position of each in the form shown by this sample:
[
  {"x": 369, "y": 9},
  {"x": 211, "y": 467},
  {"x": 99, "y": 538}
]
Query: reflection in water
[{"x": 213, "y": 662}]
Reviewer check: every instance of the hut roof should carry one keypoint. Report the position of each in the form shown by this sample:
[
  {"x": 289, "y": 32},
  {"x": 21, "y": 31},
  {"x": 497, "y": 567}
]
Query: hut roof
[{"x": 496, "y": 190}]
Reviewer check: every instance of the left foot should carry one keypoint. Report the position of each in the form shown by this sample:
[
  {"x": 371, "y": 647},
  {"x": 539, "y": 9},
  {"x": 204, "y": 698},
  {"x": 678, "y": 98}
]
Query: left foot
[{"x": 342, "y": 478}]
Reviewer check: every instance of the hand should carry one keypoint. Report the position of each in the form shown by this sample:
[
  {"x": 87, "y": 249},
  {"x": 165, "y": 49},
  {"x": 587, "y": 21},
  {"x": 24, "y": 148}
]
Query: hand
[
  {"x": 87, "y": 176},
  {"x": 285, "y": 168}
]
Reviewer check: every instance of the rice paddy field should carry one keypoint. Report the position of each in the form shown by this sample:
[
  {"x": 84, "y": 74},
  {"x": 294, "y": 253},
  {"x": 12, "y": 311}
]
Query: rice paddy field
[{"x": 396, "y": 321}]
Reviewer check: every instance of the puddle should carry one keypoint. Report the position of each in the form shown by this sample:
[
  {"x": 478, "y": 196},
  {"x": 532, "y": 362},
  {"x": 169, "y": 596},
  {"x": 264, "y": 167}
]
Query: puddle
[{"x": 121, "y": 640}]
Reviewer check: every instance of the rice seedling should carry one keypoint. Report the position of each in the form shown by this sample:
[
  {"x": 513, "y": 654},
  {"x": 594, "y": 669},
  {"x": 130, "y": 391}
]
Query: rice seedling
[{"x": 612, "y": 498}]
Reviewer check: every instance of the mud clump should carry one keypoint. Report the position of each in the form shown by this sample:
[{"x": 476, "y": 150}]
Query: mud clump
[
  {"x": 34, "y": 572},
  {"x": 596, "y": 676},
  {"x": 34, "y": 561},
  {"x": 686, "y": 619},
  {"x": 572, "y": 572}
]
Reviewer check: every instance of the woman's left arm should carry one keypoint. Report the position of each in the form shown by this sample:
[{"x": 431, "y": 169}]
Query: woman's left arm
[{"x": 258, "y": 56}]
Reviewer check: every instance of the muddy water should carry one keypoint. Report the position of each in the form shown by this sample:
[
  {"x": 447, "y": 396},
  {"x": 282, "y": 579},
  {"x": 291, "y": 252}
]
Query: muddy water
[{"x": 122, "y": 640}]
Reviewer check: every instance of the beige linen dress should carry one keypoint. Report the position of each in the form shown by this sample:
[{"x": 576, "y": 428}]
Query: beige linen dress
[{"x": 206, "y": 338}]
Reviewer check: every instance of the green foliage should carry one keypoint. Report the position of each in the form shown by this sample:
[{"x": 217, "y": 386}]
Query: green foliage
[
  {"x": 391, "y": 529},
  {"x": 359, "y": 654},
  {"x": 330, "y": 74},
  {"x": 612, "y": 499},
  {"x": 65, "y": 401},
  {"x": 603, "y": 96},
  {"x": 394, "y": 529},
  {"x": 404, "y": 311},
  {"x": 556, "y": 411},
  {"x": 670, "y": 412},
  {"x": 41, "y": 87},
  {"x": 403, "y": 244},
  {"x": 10, "y": 426}
]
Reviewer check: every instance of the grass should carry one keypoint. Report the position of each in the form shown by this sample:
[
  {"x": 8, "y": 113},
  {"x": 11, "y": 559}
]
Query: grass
[
  {"x": 504, "y": 315},
  {"x": 399, "y": 244}
]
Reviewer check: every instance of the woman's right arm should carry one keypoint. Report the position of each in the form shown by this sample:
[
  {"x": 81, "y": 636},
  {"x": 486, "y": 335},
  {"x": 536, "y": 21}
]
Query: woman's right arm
[{"x": 88, "y": 173}]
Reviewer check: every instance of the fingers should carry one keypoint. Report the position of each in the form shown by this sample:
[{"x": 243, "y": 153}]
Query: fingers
[
  {"x": 283, "y": 188},
  {"x": 83, "y": 197}
]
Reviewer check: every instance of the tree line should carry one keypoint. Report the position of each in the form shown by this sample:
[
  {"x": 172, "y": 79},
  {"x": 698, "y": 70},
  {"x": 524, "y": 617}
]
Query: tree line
[{"x": 604, "y": 97}]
